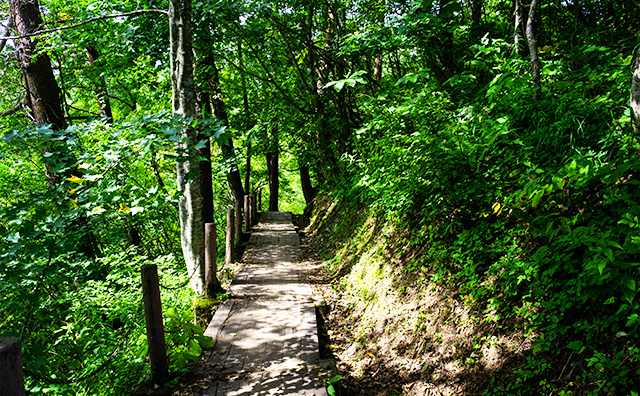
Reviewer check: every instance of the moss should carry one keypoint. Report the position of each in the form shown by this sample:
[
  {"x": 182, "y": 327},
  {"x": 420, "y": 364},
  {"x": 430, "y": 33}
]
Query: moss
[{"x": 204, "y": 308}]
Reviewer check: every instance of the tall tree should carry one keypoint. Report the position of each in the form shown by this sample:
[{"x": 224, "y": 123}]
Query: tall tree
[
  {"x": 226, "y": 145},
  {"x": 43, "y": 92},
  {"x": 191, "y": 203}
]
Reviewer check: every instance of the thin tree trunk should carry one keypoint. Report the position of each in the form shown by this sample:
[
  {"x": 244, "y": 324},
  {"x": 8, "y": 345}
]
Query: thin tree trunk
[
  {"x": 190, "y": 205},
  {"x": 476, "y": 11},
  {"x": 101, "y": 88},
  {"x": 220, "y": 113},
  {"x": 635, "y": 94},
  {"x": 533, "y": 50},
  {"x": 517, "y": 25},
  {"x": 272, "y": 169},
  {"x": 203, "y": 106},
  {"x": 307, "y": 187},
  {"x": 247, "y": 169},
  {"x": 377, "y": 68}
]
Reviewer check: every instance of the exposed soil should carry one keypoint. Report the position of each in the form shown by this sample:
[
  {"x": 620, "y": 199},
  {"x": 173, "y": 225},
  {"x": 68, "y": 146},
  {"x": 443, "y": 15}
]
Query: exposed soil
[{"x": 412, "y": 338}]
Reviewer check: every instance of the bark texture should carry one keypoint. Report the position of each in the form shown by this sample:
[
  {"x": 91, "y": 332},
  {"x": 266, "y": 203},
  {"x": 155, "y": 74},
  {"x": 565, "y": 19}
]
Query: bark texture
[
  {"x": 635, "y": 93},
  {"x": 517, "y": 25},
  {"x": 274, "y": 174},
  {"x": 190, "y": 206},
  {"x": 100, "y": 87},
  {"x": 220, "y": 113},
  {"x": 533, "y": 50},
  {"x": 307, "y": 187},
  {"x": 43, "y": 92}
]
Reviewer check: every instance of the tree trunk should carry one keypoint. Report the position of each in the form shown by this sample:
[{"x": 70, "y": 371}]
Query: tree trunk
[
  {"x": 190, "y": 205},
  {"x": 43, "y": 92},
  {"x": 44, "y": 98},
  {"x": 635, "y": 94},
  {"x": 476, "y": 11},
  {"x": 101, "y": 88},
  {"x": 517, "y": 25},
  {"x": 307, "y": 187},
  {"x": 247, "y": 169},
  {"x": 377, "y": 68},
  {"x": 226, "y": 146},
  {"x": 203, "y": 106},
  {"x": 272, "y": 169},
  {"x": 533, "y": 50}
]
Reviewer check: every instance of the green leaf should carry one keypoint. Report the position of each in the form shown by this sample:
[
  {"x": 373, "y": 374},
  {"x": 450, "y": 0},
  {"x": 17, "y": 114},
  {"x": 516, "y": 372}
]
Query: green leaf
[
  {"x": 601, "y": 266},
  {"x": 537, "y": 196},
  {"x": 172, "y": 313},
  {"x": 194, "y": 329},
  {"x": 205, "y": 341},
  {"x": 142, "y": 351},
  {"x": 201, "y": 144},
  {"x": 575, "y": 345},
  {"x": 629, "y": 283},
  {"x": 609, "y": 254},
  {"x": 629, "y": 294}
]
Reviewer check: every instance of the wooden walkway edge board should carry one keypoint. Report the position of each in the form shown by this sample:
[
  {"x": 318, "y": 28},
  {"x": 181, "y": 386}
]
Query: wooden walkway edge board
[{"x": 266, "y": 337}]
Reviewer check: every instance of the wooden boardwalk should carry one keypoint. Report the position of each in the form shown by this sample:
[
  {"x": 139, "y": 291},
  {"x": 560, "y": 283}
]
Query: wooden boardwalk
[{"x": 265, "y": 336}]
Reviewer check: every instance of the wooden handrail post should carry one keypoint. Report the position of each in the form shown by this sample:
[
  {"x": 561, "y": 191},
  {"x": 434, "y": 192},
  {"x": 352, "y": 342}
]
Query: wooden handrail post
[
  {"x": 254, "y": 209},
  {"x": 228, "y": 258},
  {"x": 247, "y": 215},
  {"x": 259, "y": 205},
  {"x": 153, "y": 319},
  {"x": 11, "y": 375},
  {"x": 251, "y": 204},
  {"x": 238, "y": 216},
  {"x": 212, "y": 286}
]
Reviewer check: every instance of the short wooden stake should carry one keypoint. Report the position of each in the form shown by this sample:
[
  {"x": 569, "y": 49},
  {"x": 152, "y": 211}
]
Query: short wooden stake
[
  {"x": 153, "y": 318},
  {"x": 247, "y": 215},
  {"x": 11, "y": 376},
  {"x": 228, "y": 257},
  {"x": 211, "y": 284}
]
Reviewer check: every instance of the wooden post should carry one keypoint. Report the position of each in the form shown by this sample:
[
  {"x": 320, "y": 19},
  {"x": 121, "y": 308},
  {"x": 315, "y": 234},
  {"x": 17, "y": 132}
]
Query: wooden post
[
  {"x": 228, "y": 258},
  {"x": 260, "y": 199},
  {"x": 238, "y": 223},
  {"x": 11, "y": 376},
  {"x": 212, "y": 286},
  {"x": 254, "y": 209},
  {"x": 251, "y": 205},
  {"x": 153, "y": 318},
  {"x": 247, "y": 215}
]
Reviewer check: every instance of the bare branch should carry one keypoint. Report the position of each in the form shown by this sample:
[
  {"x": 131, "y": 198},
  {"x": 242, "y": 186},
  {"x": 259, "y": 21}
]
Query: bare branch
[{"x": 90, "y": 20}]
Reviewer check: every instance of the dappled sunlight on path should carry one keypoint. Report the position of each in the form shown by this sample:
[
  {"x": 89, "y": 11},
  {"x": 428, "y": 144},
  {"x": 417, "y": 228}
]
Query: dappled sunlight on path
[{"x": 265, "y": 336}]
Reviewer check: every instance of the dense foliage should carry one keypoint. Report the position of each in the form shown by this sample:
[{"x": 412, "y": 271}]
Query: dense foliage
[{"x": 521, "y": 193}]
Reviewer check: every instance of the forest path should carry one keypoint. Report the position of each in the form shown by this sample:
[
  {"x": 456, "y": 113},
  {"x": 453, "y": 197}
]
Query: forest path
[{"x": 265, "y": 336}]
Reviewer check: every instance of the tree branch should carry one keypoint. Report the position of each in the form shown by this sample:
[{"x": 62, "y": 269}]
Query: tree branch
[
  {"x": 272, "y": 78},
  {"x": 3, "y": 42},
  {"x": 90, "y": 20},
  {"x": 15, "y": 109}
]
